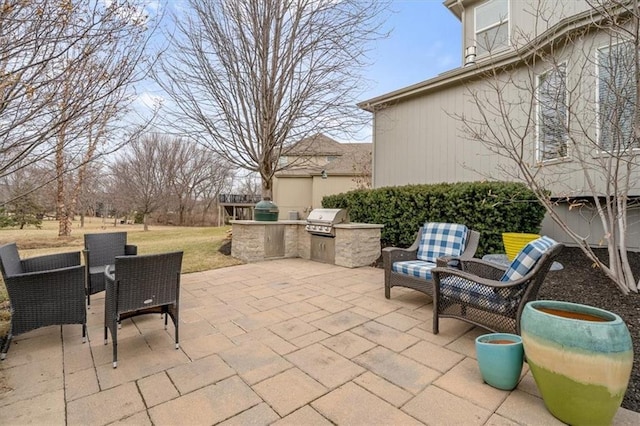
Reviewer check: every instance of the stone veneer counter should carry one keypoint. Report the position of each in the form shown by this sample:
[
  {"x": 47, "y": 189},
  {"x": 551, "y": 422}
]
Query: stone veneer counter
[{"x": 356, "y": 244}]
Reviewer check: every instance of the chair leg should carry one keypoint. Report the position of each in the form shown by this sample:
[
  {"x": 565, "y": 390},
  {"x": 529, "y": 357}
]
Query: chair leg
[
  {"x": 105, "y": 335},
  {"x": 84, "y": 333},
  {"x": 114, "y": 336},
  {"x": 5, "y": 347},
  {"x": 387, "y": 291}
]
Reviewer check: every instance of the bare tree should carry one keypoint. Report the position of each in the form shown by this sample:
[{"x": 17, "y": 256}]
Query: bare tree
[
  {"x": 139, "y": 178},
  {"x": 191, "y": 173},
  {"x": 57, "y": 71},
  {"x": 108, "y": 61},
  {"x": 572, "y": 144},
  {"x": 254, "y": 76}
]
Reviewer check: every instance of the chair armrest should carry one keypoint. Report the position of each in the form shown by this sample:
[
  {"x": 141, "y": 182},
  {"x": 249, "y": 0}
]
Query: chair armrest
[
  {"x": 130, "y": 250},
  {"x": 391, "y": 255},
  {"x": 40, "y": 284},
  {"x": 51, "y": 261},
  {"x": 483, "y": 268},
  {"x": 441, "y": 272}
]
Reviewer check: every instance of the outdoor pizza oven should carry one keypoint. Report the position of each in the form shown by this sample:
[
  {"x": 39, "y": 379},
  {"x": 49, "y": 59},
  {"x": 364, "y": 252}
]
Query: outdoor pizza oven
[{"x": 322, "y": 221}]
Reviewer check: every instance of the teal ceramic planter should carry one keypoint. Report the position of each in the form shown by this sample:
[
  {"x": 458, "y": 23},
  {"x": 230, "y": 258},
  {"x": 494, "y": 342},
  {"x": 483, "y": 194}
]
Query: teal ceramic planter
[
  {"x": 580, "y": 357},
  {"x": 500, "y": 357}
]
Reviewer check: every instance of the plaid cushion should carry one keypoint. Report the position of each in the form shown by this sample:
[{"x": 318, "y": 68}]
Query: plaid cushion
[
  {"x": 477, "y": 295},
  {"x": 414, "y": 268},
  {"x": 527, "y": 258},
  {"x": 441, "y": 239}
]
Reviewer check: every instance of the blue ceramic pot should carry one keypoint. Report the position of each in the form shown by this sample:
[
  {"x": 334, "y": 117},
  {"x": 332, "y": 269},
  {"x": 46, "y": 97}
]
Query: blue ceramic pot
[
  {"x": 500, "y": 357},
  {"x": 580, "y": 357}
]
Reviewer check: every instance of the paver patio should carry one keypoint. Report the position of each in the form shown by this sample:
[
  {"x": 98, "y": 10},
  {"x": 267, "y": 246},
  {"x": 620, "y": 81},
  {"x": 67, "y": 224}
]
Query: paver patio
[{"x": 285, "y": 342}]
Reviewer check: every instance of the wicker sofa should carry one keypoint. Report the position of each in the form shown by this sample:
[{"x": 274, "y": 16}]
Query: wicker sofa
[{"x": 420, "y": 261}]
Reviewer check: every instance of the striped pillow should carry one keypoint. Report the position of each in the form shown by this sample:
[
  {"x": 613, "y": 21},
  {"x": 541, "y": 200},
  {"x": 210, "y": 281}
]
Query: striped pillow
[{"x": 527, "y": 258}]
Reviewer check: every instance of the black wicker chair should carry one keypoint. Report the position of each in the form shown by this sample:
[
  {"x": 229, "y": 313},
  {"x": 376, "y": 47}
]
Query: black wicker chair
[
  {"x": 475, "y": 294},
  {"x": 100, "y": 250},
  {"x": 44, "y": 290},
  {"x": 139, "y": 285}
]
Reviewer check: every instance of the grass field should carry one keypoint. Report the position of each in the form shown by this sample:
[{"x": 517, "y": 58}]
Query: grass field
[{"x": 200, "y": 244}]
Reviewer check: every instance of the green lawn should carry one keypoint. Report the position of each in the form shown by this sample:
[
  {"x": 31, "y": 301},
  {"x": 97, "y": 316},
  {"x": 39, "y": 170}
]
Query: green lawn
[{"x": 200, "y": 244}]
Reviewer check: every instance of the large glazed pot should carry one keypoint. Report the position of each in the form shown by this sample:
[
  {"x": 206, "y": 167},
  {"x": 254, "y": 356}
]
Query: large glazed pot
[{"x": 580, "y": 357}]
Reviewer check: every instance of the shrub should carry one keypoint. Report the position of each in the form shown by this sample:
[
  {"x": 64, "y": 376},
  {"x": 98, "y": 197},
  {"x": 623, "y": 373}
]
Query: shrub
[{"x": 490, "y": 208}]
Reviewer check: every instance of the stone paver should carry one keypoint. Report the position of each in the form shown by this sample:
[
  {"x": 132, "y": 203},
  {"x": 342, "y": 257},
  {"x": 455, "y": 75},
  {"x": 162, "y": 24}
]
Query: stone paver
[
  {"x": 352, "y": 405},
  {"x": 324, "y": 365},
  {"x": 399, "y": 370},
  {"x": 283, "y": 342},
  {"x": 208, "y": 405},
  {"x": 289, "y": 391}
]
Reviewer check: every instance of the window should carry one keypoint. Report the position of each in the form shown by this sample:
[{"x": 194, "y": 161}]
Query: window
[
  {"x": 492, "y": 26},
  {"x": 616, "y": 94},
  {"x": 552, "y": 114}
]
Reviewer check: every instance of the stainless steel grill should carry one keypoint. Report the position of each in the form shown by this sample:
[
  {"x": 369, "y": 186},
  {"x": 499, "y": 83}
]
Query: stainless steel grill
[{"x": 322, "y": 221}]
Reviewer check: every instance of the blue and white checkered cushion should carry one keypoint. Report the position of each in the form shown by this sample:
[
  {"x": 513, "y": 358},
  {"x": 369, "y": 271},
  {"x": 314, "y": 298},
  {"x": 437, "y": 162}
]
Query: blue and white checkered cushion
[
  {"x": 527, "y": 258},
  {"x": 441, "y": 239},
  {"x": 477, "y": 295},
  {"x": 414, "y": 268}
]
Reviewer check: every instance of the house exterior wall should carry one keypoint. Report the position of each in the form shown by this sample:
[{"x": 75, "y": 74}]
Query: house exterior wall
[
  {"x": 418, "y": 139},
  {"x": 293, "y": 194},
  {"x": 302, "y": 194},
  {"x": 526, "y": 18}
]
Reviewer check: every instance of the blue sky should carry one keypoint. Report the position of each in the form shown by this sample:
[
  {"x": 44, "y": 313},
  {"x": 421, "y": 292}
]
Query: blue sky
[{"x": 425, "y": 41}]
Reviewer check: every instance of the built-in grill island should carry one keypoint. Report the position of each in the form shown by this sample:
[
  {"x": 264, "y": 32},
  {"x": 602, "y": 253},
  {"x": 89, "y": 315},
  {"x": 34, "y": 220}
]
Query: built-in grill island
[
  {"x": 326, "y": 236},
  {"x": 321, "y": 225}
]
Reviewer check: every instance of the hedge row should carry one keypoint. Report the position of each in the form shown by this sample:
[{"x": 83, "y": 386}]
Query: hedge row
[{"x": 490, "y": 208}]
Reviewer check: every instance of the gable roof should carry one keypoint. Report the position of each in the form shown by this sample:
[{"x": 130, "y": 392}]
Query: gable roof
[{"x": 348, "y": 158}]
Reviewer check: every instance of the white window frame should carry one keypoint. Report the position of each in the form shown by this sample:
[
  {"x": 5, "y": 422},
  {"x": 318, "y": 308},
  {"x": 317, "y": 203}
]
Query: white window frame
[
  {"x": 480, "y": 49},
  {"x": 607, "y": 150},
  {"x": 540, "y": 141}
]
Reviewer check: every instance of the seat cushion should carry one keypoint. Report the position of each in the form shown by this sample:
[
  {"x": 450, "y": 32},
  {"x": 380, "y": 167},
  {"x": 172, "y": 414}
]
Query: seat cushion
[
  {"x": 441, "y": 239},
  {"x": 477, "y": 295},
  {"x": 527, "y": 258},
  {"x": 414, "y": 268}
]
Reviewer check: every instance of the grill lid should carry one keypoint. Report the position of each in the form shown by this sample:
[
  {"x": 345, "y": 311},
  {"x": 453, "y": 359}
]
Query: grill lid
[
  {"x": 321, "y": 221},
  {"x": 328, "y": 217}
]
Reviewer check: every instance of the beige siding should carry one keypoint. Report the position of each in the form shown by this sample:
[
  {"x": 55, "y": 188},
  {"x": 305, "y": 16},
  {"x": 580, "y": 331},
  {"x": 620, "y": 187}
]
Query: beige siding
[
  {"x": 302, "y": 194},
  {"x": 527, "y": 18},
  {"x": 590, "y": 227},
  {"x": 293, "y": 194}
]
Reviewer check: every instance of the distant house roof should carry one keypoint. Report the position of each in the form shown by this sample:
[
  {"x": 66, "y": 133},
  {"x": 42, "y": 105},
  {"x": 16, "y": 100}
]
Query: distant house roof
[{"x": 339, "y": 158}]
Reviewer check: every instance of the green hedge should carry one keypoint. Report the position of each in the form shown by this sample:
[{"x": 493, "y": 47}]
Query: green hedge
[{"x": 490, "y": 208}]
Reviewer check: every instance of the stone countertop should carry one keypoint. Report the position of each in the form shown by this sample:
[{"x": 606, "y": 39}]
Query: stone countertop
[
  {"x": 356, "y": 225},
  {"x": 350, "y": 225}
]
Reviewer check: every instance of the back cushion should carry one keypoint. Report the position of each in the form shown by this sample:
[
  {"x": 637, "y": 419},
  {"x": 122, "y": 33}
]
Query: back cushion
[
  {"x": 10, "y": 258},
  {"x": 527, "y": 258},
  {"x": 441, "y": 239}
]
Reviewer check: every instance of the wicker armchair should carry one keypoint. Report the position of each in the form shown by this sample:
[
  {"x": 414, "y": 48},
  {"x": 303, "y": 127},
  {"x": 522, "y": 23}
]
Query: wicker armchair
[
  {"x": 394, "y": 277},
  {"x": 139, "y": 285},
  {"x": 100, "y": 250},
  {"x": 44, "y": 290},
  {"x": 480, "y": 292}
]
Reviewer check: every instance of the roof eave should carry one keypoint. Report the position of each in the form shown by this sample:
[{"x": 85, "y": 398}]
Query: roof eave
[{"x": 468, "y": 72}]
